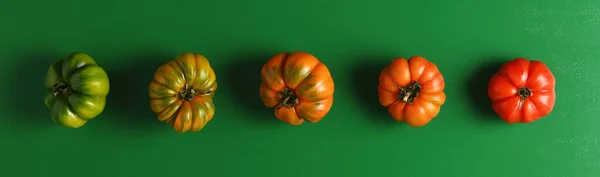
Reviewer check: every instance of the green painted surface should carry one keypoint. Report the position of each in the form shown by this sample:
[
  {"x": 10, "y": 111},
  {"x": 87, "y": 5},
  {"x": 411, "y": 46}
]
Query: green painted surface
[{"x": 356, "y": 39}]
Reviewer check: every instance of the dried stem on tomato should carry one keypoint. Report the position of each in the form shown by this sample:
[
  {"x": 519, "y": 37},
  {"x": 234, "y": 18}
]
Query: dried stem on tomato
[
  {"x": 525, "y": 92},
  {"x": 287, "y": 99},
  {"x": 61, "y": 88},
  {"x": 188, "y": 93},
  {"x": 410, "y": 92}
]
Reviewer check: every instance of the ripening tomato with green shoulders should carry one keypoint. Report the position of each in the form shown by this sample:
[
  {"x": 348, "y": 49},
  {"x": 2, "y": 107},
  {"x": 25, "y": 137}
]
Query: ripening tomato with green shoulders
[
  {"x": 182, "y": 90},
  {"x": 77, "y": 89},
  {"x": 298, "y": 86},
  {"x": 412, "y": 90},
  {"x": 522, "y": 91}
]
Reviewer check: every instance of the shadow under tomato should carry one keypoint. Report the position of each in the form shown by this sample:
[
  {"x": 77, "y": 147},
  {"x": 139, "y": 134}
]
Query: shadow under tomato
[
  {"x": 242, "y": 79},
  {"x": 477, "y": 83},
  {"x": 365, "y": 80},
  {"x": 26, "y": 90},
  {"x": 128, "y": 103}
]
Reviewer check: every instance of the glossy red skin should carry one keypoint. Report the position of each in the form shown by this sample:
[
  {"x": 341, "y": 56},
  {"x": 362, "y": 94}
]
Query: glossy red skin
[{"x": 522, "y": 73}]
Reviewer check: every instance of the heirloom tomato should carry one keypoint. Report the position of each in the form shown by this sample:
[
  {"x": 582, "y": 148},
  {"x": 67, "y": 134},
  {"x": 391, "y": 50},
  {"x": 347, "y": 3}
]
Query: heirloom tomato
[
  {"x": 298, "y": 85},
  {"x": 181, "y": 92},
  {"x": 77, "y": 87},
  {"x": 413, "y": 90},
  {"x": 522, "y": 91}
]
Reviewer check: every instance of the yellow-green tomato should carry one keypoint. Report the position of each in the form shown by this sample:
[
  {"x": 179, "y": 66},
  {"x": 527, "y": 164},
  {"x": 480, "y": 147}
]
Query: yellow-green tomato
[{"x": 77, "y": 89}]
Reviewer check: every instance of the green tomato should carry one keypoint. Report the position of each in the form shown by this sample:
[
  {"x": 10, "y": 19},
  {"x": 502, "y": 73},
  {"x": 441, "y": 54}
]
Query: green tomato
[{"x": 77, "y": 90}]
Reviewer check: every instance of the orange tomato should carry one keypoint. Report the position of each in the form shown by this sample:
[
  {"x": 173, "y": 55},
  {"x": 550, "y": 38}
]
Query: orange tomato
[
  {"x": 298, "y": 86},
  {"x": 413, "y": 90},
  {"x": 182, "y": 90}
]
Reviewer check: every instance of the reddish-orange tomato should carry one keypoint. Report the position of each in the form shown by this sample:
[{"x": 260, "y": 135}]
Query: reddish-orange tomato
[
  {"x": 522, "y": 91},
  {"x": 298, "y": 86},
  {"x": 413, "y": 90}
]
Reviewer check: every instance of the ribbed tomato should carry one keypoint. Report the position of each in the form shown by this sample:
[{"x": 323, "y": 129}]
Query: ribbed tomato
[
  {"x": 181, "y": 92},
  {"x": 522, "y": 91},
  {"x": 298, "y": 85},
  {"x": 413, "y": 90},
  {"x": 77, "y": 89}
]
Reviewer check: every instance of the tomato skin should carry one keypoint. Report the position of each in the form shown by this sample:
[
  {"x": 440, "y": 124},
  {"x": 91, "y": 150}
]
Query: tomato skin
[
  {"x": 522, "y": 91},
  {"x": 298, "y": 86},
  {"x": 181, "y": 92},
  {"x": 412, "y": 90},
  {"x": 78, "y": 87}
]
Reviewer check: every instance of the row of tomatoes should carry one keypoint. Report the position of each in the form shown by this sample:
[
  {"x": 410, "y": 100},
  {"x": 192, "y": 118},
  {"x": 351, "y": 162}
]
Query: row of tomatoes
[{"x": 297, "y": 86}]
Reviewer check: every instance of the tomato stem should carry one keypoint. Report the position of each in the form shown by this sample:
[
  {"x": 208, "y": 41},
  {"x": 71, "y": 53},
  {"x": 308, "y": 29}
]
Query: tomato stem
[
  {"x": 525, "y": 92},
  {"x": 287, "y": 98},
  {"x": 61, "y": 88},
  {"x": 410, "y": 92},
  {"x": 188, "y": 93}
]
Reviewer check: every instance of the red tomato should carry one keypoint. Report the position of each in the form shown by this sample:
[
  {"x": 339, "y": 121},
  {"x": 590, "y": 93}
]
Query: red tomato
[{"x": 522, "y": 91}]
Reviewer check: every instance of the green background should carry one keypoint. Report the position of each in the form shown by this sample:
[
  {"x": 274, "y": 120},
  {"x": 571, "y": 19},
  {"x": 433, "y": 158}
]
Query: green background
[{"x": 467, "y": 39}]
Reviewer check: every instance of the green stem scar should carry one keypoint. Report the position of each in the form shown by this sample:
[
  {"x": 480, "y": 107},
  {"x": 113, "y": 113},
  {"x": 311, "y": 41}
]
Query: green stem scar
[
  {"x": 188, "y": 93},
  {"x": 61, "y": 88},
  {"x": 410, "y": 92},
  {"x": 287, "y": 99}
]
